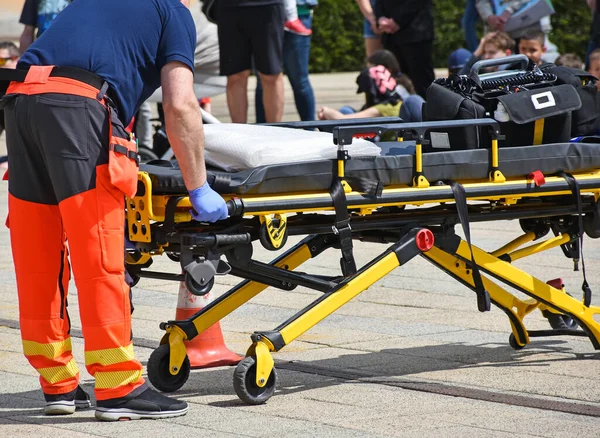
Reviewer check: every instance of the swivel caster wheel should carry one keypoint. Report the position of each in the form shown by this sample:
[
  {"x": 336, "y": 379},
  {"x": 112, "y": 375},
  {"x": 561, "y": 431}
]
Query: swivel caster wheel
[
  {"x": 196, "y": 288},
  {"x": 512, "y": 340},
  {"x": 275, "y": 228},
  {"x": 159, "y": 374},
  {"x": 244, "y": 383}
]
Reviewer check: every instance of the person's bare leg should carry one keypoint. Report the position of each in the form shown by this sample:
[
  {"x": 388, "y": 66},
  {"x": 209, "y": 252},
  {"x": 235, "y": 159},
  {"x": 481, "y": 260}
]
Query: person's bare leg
[
  {"x": 237, "y": 96},
  {"x": 272, "y": 96},
  {"x": 372, "y": 45}
]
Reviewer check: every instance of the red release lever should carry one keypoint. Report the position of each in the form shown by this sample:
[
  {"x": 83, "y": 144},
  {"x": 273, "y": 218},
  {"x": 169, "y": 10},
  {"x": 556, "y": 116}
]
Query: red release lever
[
  {"x": 557, "y": 283},
  {"x": 424, "y": 239},
  {"x": 538, "y": 178}
]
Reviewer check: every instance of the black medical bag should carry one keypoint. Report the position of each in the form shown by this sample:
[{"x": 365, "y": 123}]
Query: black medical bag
[{"x": 530, "y": 104}]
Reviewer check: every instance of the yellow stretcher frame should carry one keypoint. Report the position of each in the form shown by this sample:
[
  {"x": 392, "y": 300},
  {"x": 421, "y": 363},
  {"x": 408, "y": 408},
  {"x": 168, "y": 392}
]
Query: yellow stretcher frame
[{"x": 147, "y": 210}]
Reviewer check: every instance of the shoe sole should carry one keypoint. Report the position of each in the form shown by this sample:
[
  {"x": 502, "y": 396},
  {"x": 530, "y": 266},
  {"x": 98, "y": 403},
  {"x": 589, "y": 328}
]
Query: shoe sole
[
  {"x": 107, "y": 414},
  {"x": 66, "y": 407},
  {"x": 297, "y": 33}
]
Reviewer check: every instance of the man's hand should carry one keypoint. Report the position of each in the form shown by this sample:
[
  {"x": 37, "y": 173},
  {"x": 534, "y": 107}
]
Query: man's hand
[
  {"x": 496, "y": 22},
  {"x": 388, "y": 25},
  {"x": 209, "y": 206}
]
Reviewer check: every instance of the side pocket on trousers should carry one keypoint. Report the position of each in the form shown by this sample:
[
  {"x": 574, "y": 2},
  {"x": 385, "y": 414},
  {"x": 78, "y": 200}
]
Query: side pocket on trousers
[
  {"x": 112, "y": 242},
  {"x": 123, "y": 165},
  {"x": 111, "y": 221}
]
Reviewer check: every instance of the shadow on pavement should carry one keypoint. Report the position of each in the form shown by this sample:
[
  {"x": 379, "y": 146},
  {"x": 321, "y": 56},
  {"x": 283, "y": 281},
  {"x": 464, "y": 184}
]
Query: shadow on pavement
[{"x": 298, "y": 376}]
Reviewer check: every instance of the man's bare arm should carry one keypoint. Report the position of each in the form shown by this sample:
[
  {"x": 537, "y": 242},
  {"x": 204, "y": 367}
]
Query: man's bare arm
[
  {"x": 26, "y": 38},
  {"x": 183, "y": 122}
]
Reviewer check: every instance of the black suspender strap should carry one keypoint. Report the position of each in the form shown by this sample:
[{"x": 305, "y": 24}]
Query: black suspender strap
[
  {"x": 460, "y": 197},
  {"x": 342, "y": 227},
  {"x": 574, "y": 186}
]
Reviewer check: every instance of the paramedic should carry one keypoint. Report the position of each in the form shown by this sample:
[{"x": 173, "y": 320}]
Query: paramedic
[{"x": 71, "y": 165}]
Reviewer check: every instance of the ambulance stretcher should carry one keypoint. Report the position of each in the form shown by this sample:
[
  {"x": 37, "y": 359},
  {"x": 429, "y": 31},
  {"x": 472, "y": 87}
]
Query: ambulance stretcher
[{"x": 412, "y": 203}]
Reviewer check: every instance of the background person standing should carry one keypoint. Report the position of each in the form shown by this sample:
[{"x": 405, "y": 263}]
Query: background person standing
[
  {"x": 407, "y": 31},
  {"x": 296, "y": 50},
  {"x": 252, "y": 30}
]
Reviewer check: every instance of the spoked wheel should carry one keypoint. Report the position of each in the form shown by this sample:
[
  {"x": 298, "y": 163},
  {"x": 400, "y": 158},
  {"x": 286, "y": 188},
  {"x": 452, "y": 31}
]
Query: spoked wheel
[
  {"x": 146, "y": 154},
  {"x": 173, "y": 256},
  {"x": 244, "y": 383},
  {"x": 158, "y": 370},
  {"x": 512, "y": 340}
]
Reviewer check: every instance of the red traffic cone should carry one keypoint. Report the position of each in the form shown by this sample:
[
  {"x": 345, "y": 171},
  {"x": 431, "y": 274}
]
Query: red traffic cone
[{"x": 208, "y": 348}]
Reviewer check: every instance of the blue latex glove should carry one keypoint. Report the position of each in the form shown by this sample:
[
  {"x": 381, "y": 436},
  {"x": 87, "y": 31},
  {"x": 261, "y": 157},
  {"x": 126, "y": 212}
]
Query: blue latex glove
[{"x": 208, "y": 204}]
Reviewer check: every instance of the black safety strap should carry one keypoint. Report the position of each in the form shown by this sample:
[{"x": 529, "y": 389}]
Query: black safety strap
[
  {"x": 460, "y": 197},
  {"x": 124, "y": 151},
  {"x": 342, "y": 227},
  {"x": 169, "y": 222},
  {"x": 366, "y": 186},
  {"x": 574, "y": 186}
]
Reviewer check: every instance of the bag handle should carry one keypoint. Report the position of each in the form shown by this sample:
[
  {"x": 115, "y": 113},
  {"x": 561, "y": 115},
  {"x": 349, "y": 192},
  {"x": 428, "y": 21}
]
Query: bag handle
[{"x": 485, "y": 63}]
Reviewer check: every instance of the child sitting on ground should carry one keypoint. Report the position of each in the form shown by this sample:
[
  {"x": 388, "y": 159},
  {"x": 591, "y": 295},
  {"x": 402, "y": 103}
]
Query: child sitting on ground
[
  {"x": 379, "y": 86},
  {"x": 570, "y": 60},
  {"x": 493, "y": 45},
  {"x": 408, "y": 108}
]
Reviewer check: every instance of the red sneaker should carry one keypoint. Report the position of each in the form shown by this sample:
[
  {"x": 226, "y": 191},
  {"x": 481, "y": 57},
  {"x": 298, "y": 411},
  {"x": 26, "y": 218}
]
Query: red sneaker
[{"x": 297, "y": 27}]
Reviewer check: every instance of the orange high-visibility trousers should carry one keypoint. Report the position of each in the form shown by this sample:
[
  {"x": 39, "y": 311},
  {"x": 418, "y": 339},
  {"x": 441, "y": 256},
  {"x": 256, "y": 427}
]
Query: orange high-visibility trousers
[{"x": 63, "y": 204}]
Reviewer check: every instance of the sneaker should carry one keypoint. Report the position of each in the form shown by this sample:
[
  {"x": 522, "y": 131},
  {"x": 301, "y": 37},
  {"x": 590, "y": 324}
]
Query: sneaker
[
  {"x": 147, "y": 404},
  {"x": 296, "y": 26},
  {"x": 65, "y": 404}
]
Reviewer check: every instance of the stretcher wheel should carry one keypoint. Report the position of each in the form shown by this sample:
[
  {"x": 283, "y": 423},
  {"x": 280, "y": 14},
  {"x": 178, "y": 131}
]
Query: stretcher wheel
[
  {"x": 265, "y": 240},
  {"x": 512, "y": 340},
  {"x": 196, "y": 288},
  {"x": 158, "y": 370},
  {"x": 244, "y": 383}
]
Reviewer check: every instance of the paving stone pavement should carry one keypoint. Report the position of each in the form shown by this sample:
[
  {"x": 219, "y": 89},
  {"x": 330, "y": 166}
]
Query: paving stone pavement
[{"x": 380, "y": 366}]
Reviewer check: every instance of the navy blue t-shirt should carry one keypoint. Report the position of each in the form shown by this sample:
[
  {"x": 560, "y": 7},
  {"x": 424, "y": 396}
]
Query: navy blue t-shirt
[{"x": 126, "y": 42}]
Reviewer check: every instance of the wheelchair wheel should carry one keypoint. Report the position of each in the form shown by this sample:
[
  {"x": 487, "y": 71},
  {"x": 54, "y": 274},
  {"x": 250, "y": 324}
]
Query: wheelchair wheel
[
  {"x": 514, "y": 343},
  {"x": 174, "y": 257},
  {"x": 244, "y": 383},
  {"x": 196, "y": 288},
  {"x": 146, "y": 154},
  {"x": 158, "y": 370}
]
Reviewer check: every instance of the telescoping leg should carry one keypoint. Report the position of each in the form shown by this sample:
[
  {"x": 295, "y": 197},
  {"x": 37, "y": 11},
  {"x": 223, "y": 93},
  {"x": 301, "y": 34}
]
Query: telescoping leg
[
  {"x": 255, "y": 376},
  {"x": 453, "y": 262},
  {"x": 168, "y": 368}
]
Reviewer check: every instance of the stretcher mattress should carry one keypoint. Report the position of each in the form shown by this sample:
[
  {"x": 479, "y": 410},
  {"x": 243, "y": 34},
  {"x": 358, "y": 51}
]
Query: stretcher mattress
[
  {"x": 234, "y": 146},
  {"x": 388, "y": 169}
]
